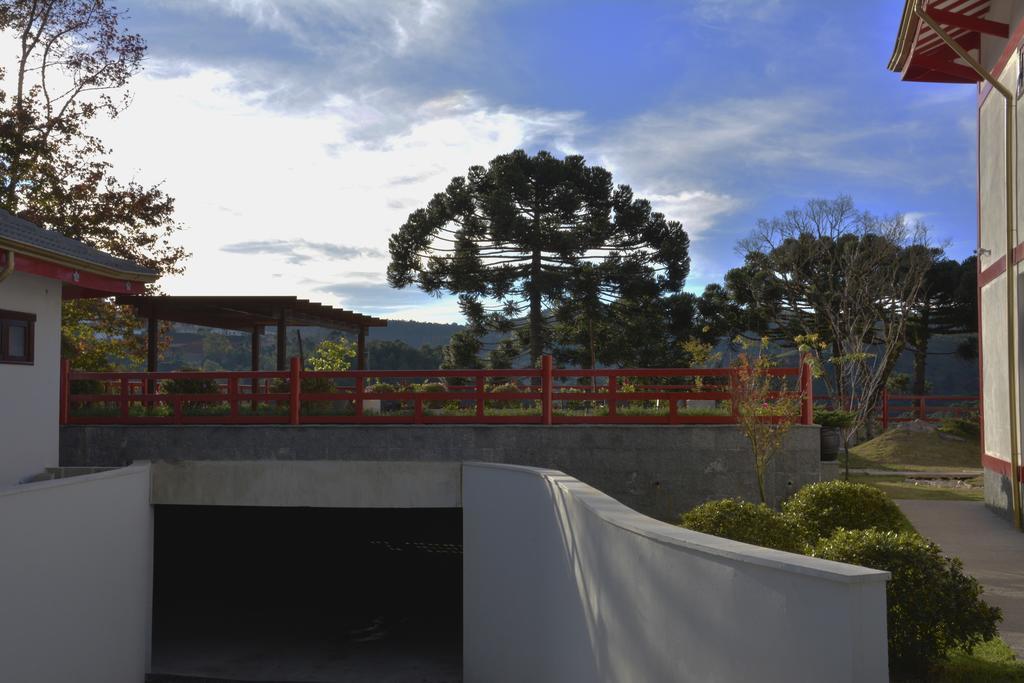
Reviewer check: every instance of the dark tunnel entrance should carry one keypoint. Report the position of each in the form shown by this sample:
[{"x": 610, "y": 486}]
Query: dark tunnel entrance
[{"x": 307, "y": 594}]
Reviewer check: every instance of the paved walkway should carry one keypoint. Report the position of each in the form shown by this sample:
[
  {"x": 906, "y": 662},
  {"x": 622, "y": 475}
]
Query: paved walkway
[{"x": 991, "y": 549}]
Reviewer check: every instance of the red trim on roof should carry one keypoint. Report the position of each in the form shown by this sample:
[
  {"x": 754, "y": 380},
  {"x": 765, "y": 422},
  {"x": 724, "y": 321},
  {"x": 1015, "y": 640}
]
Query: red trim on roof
[
  {"x": 969, "y": 22},
  {"x": 927, "y": 57},
  {"x": 80, "y": 283}
]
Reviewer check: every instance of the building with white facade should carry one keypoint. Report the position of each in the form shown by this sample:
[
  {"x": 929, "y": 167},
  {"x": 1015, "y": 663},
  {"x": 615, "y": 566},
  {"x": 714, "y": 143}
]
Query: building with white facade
[{"x": 979, "y": 42}]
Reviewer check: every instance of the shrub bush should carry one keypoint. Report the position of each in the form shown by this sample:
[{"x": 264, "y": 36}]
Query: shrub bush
[
  {"x": 933, "y": 607},
  {"x": 746, "y": 522},
  {"x": 833, "y": 418},
  {"x": 822, "y": 508},
  {"x": 309, "y": 385},
  {"x": 964, "y": 427},
  {"x": 507, "y": 388},
  {"x": 431, "y": 387},
  {"x": 192, "y": 386}
]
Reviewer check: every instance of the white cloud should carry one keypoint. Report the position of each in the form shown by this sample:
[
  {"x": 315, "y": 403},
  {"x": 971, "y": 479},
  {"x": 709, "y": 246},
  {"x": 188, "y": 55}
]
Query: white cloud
[
  {"x": 307, "y": 182},
  {"x": 697, "y": 210},
  {"x": 352, "y": 27},
  {"x": 731, "y": 10},
  {"x": 712, "y": 144}
]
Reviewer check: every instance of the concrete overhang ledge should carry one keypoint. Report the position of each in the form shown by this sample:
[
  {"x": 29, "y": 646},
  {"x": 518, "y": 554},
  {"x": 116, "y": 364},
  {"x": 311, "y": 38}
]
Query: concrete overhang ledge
[
  {"x": 618, "y": 515},
  {"x": 136, "y": 468}
]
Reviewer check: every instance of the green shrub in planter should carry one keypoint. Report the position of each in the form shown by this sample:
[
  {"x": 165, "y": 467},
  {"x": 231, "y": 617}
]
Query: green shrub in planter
[
  {"x": 309, "y": 385},
  {"x": 832, "y": 422},
  {"x": 507, "y": 388},
  {"x": 746, "y": 522},
  {"x": 382, "y": 388},
  {"x": 840, "y": 419},
  {"x": 933, "y": 607},
  {"x": 191, "y": 386},
  {"x": 431, "y": 387},
  {"x": 822, "y": 508}
]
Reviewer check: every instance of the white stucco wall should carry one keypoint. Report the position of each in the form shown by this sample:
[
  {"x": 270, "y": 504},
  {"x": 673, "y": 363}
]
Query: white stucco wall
[
  {"x": 992, "y": 217},
  {"x": 30, "y": 394},
  {"x": 992, "y": 180},
  {"x": 994, "y": 368},
  {"x": 75, "y": 579},
  {"x": 563, "y": 584}
]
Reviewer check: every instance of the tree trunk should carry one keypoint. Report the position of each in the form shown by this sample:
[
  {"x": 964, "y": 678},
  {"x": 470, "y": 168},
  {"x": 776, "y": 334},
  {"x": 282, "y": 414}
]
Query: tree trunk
[
  {"x": 839, "y": 383},
  {"x": 921, "y": 355},
  {"x": 536, "y": 314}
]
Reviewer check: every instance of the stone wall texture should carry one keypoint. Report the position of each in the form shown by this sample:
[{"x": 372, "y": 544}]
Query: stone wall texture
[{"x": 658, "y": 470}]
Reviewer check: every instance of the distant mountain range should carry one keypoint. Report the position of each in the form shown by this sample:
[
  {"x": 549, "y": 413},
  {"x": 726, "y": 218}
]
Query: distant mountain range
[
  {"x": 198, "y": 347},
  {"x": 415, "y": 334}
]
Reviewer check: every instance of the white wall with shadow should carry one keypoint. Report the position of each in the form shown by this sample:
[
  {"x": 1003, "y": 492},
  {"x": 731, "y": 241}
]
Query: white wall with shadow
[{"x": 562, "y": 583}]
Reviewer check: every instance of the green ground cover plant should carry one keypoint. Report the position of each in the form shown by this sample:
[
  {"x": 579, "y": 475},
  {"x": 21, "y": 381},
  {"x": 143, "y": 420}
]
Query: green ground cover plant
[
  {"x": 827, "y": 506},
  {"x": 934, "y": 608},
  {"x": 939, "y": 628},
  {"x": 898, "y": 448},
  {"x": 900, "y": 488},
  {"x": 739, "y": 520}
]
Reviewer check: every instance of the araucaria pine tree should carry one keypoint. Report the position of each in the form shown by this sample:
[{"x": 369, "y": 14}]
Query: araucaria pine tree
[{"x": 519, "y": 239}]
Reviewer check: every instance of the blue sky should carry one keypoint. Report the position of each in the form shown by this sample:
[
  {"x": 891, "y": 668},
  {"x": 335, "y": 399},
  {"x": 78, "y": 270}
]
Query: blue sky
[{"x": 296, "y": 135}]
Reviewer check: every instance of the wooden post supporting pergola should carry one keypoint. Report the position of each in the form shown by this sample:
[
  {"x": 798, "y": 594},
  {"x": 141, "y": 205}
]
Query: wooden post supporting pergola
[
  {"x": 361, "y": 349},
  {"x": 256, "y": 332},
  {"x": 282, "y": 342}
]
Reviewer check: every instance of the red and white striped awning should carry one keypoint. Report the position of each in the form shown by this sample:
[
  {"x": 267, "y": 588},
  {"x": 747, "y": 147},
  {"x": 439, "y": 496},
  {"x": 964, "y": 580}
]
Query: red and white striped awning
[{"x": 920, "y": 55}]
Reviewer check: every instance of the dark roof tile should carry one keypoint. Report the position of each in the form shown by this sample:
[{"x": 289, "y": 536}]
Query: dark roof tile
[{"x": 19, "y": 231}]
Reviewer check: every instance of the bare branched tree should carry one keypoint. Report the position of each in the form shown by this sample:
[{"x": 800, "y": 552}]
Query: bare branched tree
[{"x": 830, "y": 271}]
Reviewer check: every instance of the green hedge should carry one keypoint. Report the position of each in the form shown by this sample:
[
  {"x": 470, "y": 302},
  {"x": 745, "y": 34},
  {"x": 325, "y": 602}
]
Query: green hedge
[
  {"x": 933, "y": 607},
  {"x": 825, "y": 507},
  {"x": 746, "y": 522}
]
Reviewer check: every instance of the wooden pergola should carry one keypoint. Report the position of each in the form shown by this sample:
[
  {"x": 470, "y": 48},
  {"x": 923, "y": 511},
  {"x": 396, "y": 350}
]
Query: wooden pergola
[{"x": 250, "y": 314}]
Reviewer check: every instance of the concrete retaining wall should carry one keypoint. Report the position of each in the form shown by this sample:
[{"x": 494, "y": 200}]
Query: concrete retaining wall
[
  {"x": 76, "y": 579},
  {"x": 563, "y": 584},
  {"x": 658, "y": 470},
  {"x": 308, "y": 483}
]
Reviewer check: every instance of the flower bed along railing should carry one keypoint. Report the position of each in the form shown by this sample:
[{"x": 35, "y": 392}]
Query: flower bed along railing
[{"x": 526, "y": 396}]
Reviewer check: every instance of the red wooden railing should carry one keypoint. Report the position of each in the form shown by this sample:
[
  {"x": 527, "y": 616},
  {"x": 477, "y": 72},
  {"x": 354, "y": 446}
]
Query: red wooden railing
[
  {"x": 908, "y": 407},
  {"x": 544, "y": 395}
]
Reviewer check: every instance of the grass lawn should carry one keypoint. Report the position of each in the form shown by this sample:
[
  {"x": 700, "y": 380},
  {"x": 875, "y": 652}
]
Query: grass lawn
[
  {"x": 898, "y": 488},
  {"x": 991, "y": 662},
  {"x": 905, "y": 449}
]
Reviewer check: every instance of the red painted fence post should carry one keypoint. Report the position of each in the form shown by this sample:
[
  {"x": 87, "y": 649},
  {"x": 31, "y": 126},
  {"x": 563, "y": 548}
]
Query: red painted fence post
[
  {"x": 922, "y": 413},
  {"x": 294, "y": 388},
  {"x": 885, "y": 409},
  {"x": 546, "y": 387},
  {"x": 807, "y": 392},
  {"x": 65, "y": 390}
]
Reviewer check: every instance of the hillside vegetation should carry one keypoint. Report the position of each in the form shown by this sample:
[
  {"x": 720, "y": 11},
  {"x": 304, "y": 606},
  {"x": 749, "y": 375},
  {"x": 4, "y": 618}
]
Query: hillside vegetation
[{"x": 928, "y": 448}]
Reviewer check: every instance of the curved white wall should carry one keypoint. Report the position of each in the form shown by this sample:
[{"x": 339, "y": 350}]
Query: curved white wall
[
  {"x": 563, "y": 584},
  {"x": 76, "y": 579}
]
